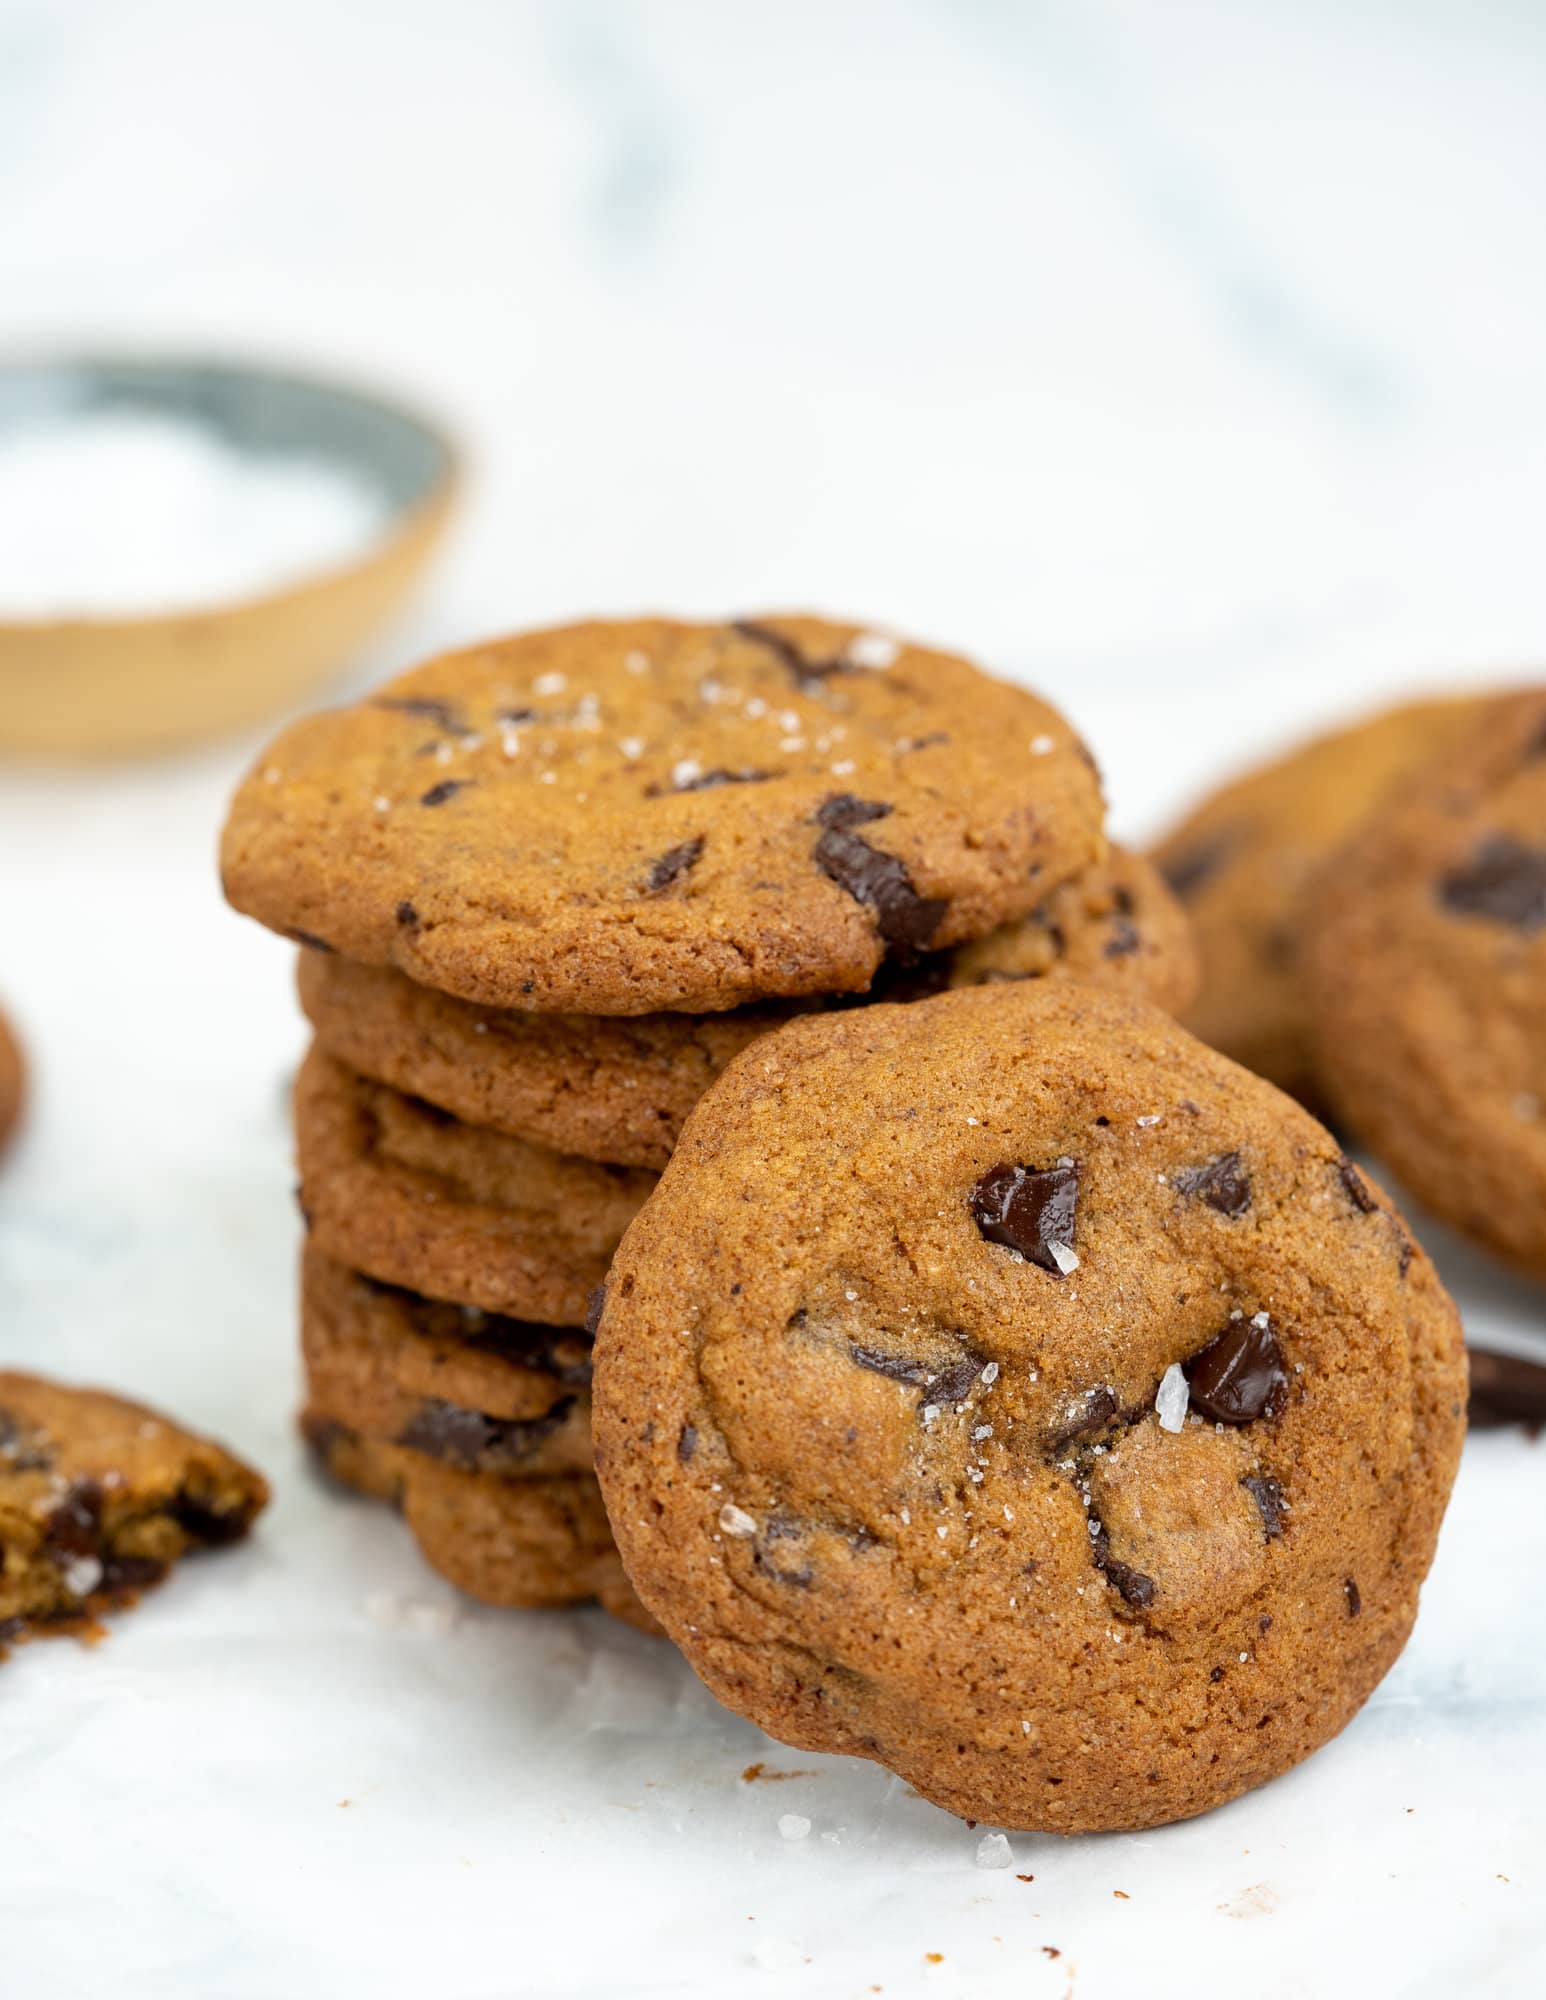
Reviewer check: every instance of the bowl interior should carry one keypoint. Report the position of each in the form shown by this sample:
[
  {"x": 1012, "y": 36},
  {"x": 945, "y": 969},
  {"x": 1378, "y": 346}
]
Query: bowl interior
[{"x": 255, "y": 411}]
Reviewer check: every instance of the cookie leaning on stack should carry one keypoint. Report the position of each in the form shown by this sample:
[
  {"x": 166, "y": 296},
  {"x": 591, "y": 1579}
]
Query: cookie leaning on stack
[{"x": 547, "y": 888}]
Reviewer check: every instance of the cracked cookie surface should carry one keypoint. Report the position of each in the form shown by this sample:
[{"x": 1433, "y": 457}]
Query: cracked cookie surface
[
  {"x": 99, "y": 1497},
  {"x": 1242, "y": 860},
  {"x": 619, "y": 818},
  {"x": 396, "y": 1188},
  {"x": 1014, "y": 1391},
  {"x": 1426, "y": 976},
  {"x": 617, "y": 1088}
]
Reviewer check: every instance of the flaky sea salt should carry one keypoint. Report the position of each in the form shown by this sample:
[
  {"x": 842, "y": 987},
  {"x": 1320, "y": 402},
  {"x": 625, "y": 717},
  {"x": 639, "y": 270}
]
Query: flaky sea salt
[
  {"x": 735, "y": 1522},
  {"x": 793, "y": 1826},
  {"x": 1064, "y": 1256},
  {"x": 872, "y": 649},
  {"x": 106, "y": 512},
  {"x": 81, "y": 1575},
  {"x": 1041, "y": 746},
  {"x": 1171, "y": 1398},
  {"x": 994, "y": 1851}
]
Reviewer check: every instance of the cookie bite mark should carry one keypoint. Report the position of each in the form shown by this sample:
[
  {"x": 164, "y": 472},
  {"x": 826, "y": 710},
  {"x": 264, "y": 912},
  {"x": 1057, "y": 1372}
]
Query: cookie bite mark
[
  {"x": 1222, "y": 1183},
  {"x": 667, "y": 869},
  {"x": 1031, "y": 1211},
  {"x": 1241, "y": 1375}
]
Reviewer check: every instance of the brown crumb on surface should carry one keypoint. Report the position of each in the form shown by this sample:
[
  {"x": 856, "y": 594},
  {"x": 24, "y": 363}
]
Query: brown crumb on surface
[
  {"x": 1052, "y": 1951},
  {"x": 1121, "y": 1895},
  {"x": 929, "y": 1958},
  {"x": 1025, "y": 1878},
  {"x": 753, "y": 1772}
]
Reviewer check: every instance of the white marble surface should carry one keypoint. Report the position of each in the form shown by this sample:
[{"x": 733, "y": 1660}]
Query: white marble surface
[{"x": 1185, "y": 359}]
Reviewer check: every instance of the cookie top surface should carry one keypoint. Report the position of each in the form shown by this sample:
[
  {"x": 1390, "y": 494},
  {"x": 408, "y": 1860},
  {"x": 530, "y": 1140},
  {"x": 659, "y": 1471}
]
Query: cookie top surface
[
  {"x": 402, "y": 1191},
  {"x": 99, "y": 1496},
  {"x": 901, "y": 1488},
  {"x": 1426, "y": 976},
  {"x": 617, "y": 818},
  {"x": 612, "y": 1088},
  {"x": 1241, "y": 859},
  {"x": 12, "y": 1080},
  {"x": 475, "y": 1390}
]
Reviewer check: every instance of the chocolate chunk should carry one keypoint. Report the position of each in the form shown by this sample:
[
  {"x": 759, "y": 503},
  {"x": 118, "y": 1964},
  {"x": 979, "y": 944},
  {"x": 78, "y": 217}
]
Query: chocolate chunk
[
  {"x": 512, "y": 718},
  {"x": 1131, "y": 1585},
  {"x": 1196, "y": 865},
  {"x": 74, "y": 1527},
  {"x": 901, "y": 984},
  {"x": 204, "y": 1524},
  {"x": 1239, "y": 1376},
  {"x": 1086, "y": 1414},
  {"x": 441, "y": 713},
  {"x": 808, "y": 674},
  {"x": 1504, "y": 881},
  {"x": 446, "y": 789},
  {"x": 1029, "y": 1209},
  {"x": 407, "y": 915},
  {"x": 667, "y": 869},
  {"x": 1124, "y": 938},
  {"x": 1221, "y": 1182},
  {"x": 896, "y": 1366},
  {"x": 1354, "y": 1600},
  {"x": 842, "y": 812},
  {"x": 22, "y": 1449},
  {"x": 475, "y": 1442},
  {"x": 595, "y": 1306},
  {"x": 954, "y": 1384},
  {"x": 687, "y": 1443},
  {"x": 904, "y": 919},
  {"x": 1506, "y": 1389},
  {"x": 125, "y": 1573},
  {"x": 1267, "y": 1492},
  {"x": 1357, "y": 1187}
]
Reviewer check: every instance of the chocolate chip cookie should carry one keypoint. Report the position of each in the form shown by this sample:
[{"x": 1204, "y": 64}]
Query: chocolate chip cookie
[
  {"x": 1426, "y": 975},
  {"x": 613, "y": 1088},
  {"x": 1012, "y": 1390},
  {"x": 99, "y": 1497},
  {"x": 12, "y": 1081},
  {"x": 473, "y": 1389},
  {"x": 1241, "y": 860},
  {"x": 524, "y": 1544},
  {"x": 396, "y": 1188},
  {"x": 620, "y": 818}
]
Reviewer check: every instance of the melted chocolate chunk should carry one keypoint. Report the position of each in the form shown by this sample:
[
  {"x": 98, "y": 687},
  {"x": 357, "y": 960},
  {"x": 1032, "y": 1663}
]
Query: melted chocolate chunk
[
  {"x": 906, "y": 920},
  {"x": 74, "y": 1528},
  {"x": 668, "y": 869},
  {"x": 1357, "y": 1187},
  {"x": 1221, "y": 1182},
  {"x": 1124, "y": 938},
  {"x": 1028, "y": 1209},
  {"x": 446, "y": 789},
  {"x": 1131, "y": 1585},
  {"x": 441, "y": 713},
  {"x": 1188, "y": 871},
  {"x": 475, "y": 1442},
  {"x": 1354, "y": 1599},
  {"x": 954, "y": 1384},
  {"x": 1506, "y": 1389},
  {"x": 799, "y": 1575},
  {"x": 808, "y": 674},
  {"x": 1267, "y": 1492},
  {"x": 407, "y": 915},
  {"x": 897, "y": 1367},
  {"x": 22, "y": 1449},
  {"x": 950, "y": 1384},
  {"x": 687, "y": 1443},
  {"x": 1239, "y": 1376},
  {"x": 842, "y": 812},
  {"x": 1088, "y": 1413},
  {"x": 595, "y": 1306},
  {"x": 125, "y": 1573},
  {"x": 1504, "y": 881},
  {"x": 901, "y": 984},
  {"x": 204, "y": 1524}
]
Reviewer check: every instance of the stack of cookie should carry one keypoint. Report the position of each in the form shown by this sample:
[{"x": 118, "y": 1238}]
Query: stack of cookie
[
  {"x": 546, "y": 890},
  {"x": 1371, "y": 911}
]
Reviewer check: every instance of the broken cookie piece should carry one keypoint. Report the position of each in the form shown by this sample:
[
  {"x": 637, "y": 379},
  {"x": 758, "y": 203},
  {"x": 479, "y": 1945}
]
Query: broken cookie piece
[{"x": 98, "y": 1498}]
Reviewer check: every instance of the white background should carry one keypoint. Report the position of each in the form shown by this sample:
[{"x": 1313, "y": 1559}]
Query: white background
[{"x": 1183, "y": 358}]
